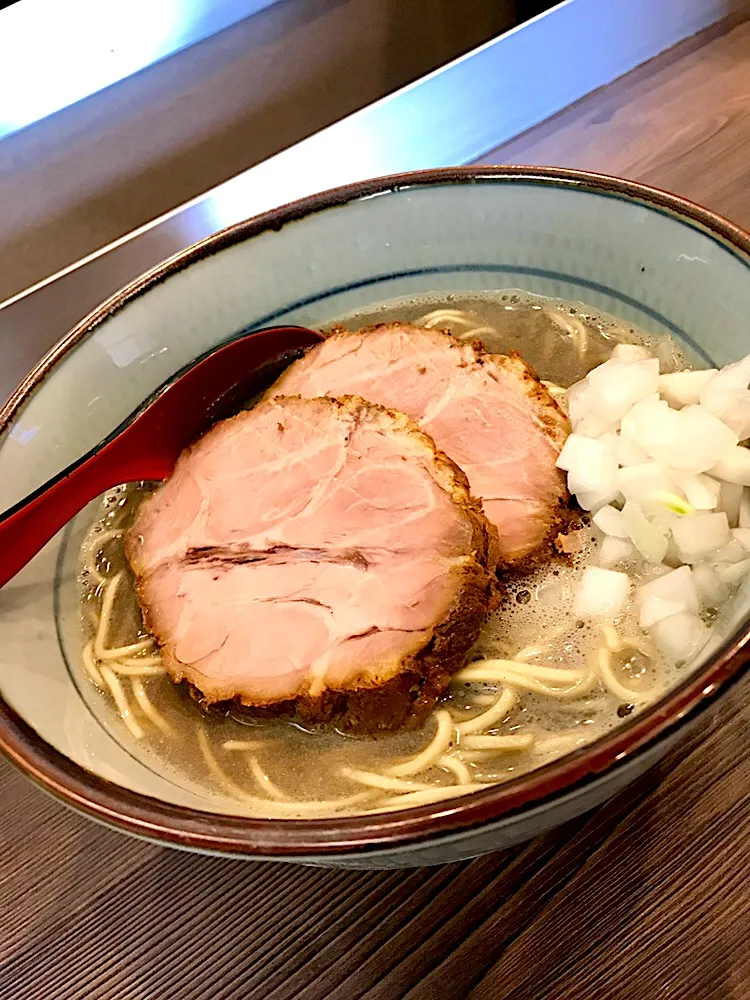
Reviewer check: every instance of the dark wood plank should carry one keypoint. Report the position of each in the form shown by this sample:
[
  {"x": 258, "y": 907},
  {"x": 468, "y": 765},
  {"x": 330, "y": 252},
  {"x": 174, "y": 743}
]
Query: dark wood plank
[
  {"x": 129, "y": 920},
  {"x": 680, "y": 122},
  {"x": 662, "y": 906}
]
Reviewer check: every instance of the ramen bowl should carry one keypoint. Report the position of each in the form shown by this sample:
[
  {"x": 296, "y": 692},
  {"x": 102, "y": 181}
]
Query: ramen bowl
[{"x": 649, "y": 258}]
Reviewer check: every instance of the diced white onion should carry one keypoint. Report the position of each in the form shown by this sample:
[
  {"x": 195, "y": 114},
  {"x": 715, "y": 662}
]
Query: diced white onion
[
  {"x": 668, "y": 446},
  {"x": 691, "y": 439},
  {"x": 743, "y": 517},
  {"x": 591, "y": 467},
  {"x": 615, "y": 552},
  {"x": 596, "y": 477},
  {"x": 711, "y": 590},
  {"x": 627, "y": 452},
  {"x": 732, "y": 376},
  {"x": 730, "y": 497},
  {"x": 680, "y": 636},
  {"x": 609, "y": 439},
  {"x": 620, "y": 384},
  {"x": 735, "y": 412},
  {"x": 701, "y": 440},
  {"x": 742, "y": 535},
  {"x": 630, "y": 352},
  {"x": 645, "y": 415},
  {"x": 699, "y": 536},
  {"x": 602, "y": 593},
  {"x": 733, "y": 552},
  {"x": 578, "y": 449},
  {"x": 671, "y": 503},
  {"x": 578, "y": 399},
  {"x": 727, "y": 397},
  {"x": 664, "y": 520},
  {"x": 702, "y": 491},
  {"x": 672, "y": 556},
  {"x": 586, "y": 410},
  {"x": 595, "y": 500},
  {"x": 733, "y": 573},
  {"x": 734, "y": 467},
  {"x": 609, "y": 520},
  {"x": 650, "y": 542},
  {"x": 668, "y": 595},
  {"x": 638, "y": 482},
  {"x": 683, "y": 388}
]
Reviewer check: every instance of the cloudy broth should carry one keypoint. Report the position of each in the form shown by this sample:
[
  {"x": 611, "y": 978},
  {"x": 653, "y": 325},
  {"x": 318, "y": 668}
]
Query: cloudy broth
[{"x": 280, "y": 769}]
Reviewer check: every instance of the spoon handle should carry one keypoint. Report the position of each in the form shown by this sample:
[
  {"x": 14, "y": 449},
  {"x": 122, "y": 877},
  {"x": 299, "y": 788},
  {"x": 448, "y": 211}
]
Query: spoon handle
[
  {"x": 147, "y": 444},
  {"x": 27, "y": 527}
]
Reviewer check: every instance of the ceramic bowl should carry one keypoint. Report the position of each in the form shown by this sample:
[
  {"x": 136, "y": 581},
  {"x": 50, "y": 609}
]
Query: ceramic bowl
[{"x": 642, "y": 255}]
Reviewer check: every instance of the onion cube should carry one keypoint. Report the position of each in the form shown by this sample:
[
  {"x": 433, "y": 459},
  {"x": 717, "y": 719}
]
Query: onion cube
[
  {"x": 735, "y": 412},
  {"x": 733, "y": 573},
  {"x": 701, "y": 440},
  {"x": 647, "y": 538},
  {"x": 700, "y": 536},
  {"x": 680, "y": 636},
  {"x": 743, "y": 517},
  {"x": 667, "y": 595},
  {"x": 586, "y": 411},
  {"x": 622, "y": 384},
  {"x": 727, "y": 397},
  {"x": 630, "y": 352},
  {"x": 643, "y": 417},
  {"x": 683, "y": 388},
  {"x": 596, "y": 499},
  {"x": 734, "y": 467},
  {"x": 602, "y": 593},
  {"x": 578, "y": 399},
  {"x": 579, "y": 450},
  {"x": 615, "y": 552},
  {"x": 609, "y": 520},
  {"x": 691, "y": 439},
  {"x": 702, "y": 491},
  {"x": 681, "y": 439},
  {"x": 730, "y": 497},
  {"x": 627, "y": 452},
  {"x": 732, "y": 376},
  {"x": 638, "y": 483},
  {"x": 711, "y": 589},
  {"x": 742, "y": 535},
  {"x": 590, "y": 465},
  {"x": 733, "y": 552}
]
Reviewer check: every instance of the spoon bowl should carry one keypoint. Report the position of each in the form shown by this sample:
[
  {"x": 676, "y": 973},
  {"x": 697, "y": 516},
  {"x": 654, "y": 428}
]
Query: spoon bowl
[{"x": 147, "y": 443}]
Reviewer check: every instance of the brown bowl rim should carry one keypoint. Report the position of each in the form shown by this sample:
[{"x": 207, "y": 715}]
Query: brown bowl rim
[{"x": 181, "y": 826}]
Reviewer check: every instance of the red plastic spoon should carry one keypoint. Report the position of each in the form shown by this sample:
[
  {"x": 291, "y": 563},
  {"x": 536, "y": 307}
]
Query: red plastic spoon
[{"x": 147, "y": 444}]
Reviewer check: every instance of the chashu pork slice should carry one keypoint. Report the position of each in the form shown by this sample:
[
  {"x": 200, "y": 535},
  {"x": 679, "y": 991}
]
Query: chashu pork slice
[
  {"x": 315, "y": 556},
  {"x": 488, "y": 412}
]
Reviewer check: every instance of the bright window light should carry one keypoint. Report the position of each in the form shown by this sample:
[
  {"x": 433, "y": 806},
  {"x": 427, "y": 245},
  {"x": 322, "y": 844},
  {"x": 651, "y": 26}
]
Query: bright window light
[{"x": 56, "y": 52}]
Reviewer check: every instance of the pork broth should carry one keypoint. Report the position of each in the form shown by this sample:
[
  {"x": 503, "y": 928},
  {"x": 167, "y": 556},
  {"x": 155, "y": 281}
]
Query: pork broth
[{"x": 544, "y": 683}]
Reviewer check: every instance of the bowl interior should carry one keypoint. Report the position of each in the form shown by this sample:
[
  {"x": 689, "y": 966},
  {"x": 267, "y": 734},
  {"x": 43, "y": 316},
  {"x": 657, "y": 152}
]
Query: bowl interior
[{"x": 640, "y": 261}]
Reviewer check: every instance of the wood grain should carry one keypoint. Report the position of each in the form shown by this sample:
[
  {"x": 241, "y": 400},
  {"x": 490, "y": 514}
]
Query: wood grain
[
  {"x": 649, "y": 890},
  {"x": 646, "y": 898},
  {"x": 681, "y": 122}
]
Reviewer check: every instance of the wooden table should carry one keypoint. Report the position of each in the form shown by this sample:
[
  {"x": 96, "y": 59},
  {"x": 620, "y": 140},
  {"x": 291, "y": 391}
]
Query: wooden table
[{"x": 647, "y": 898}]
